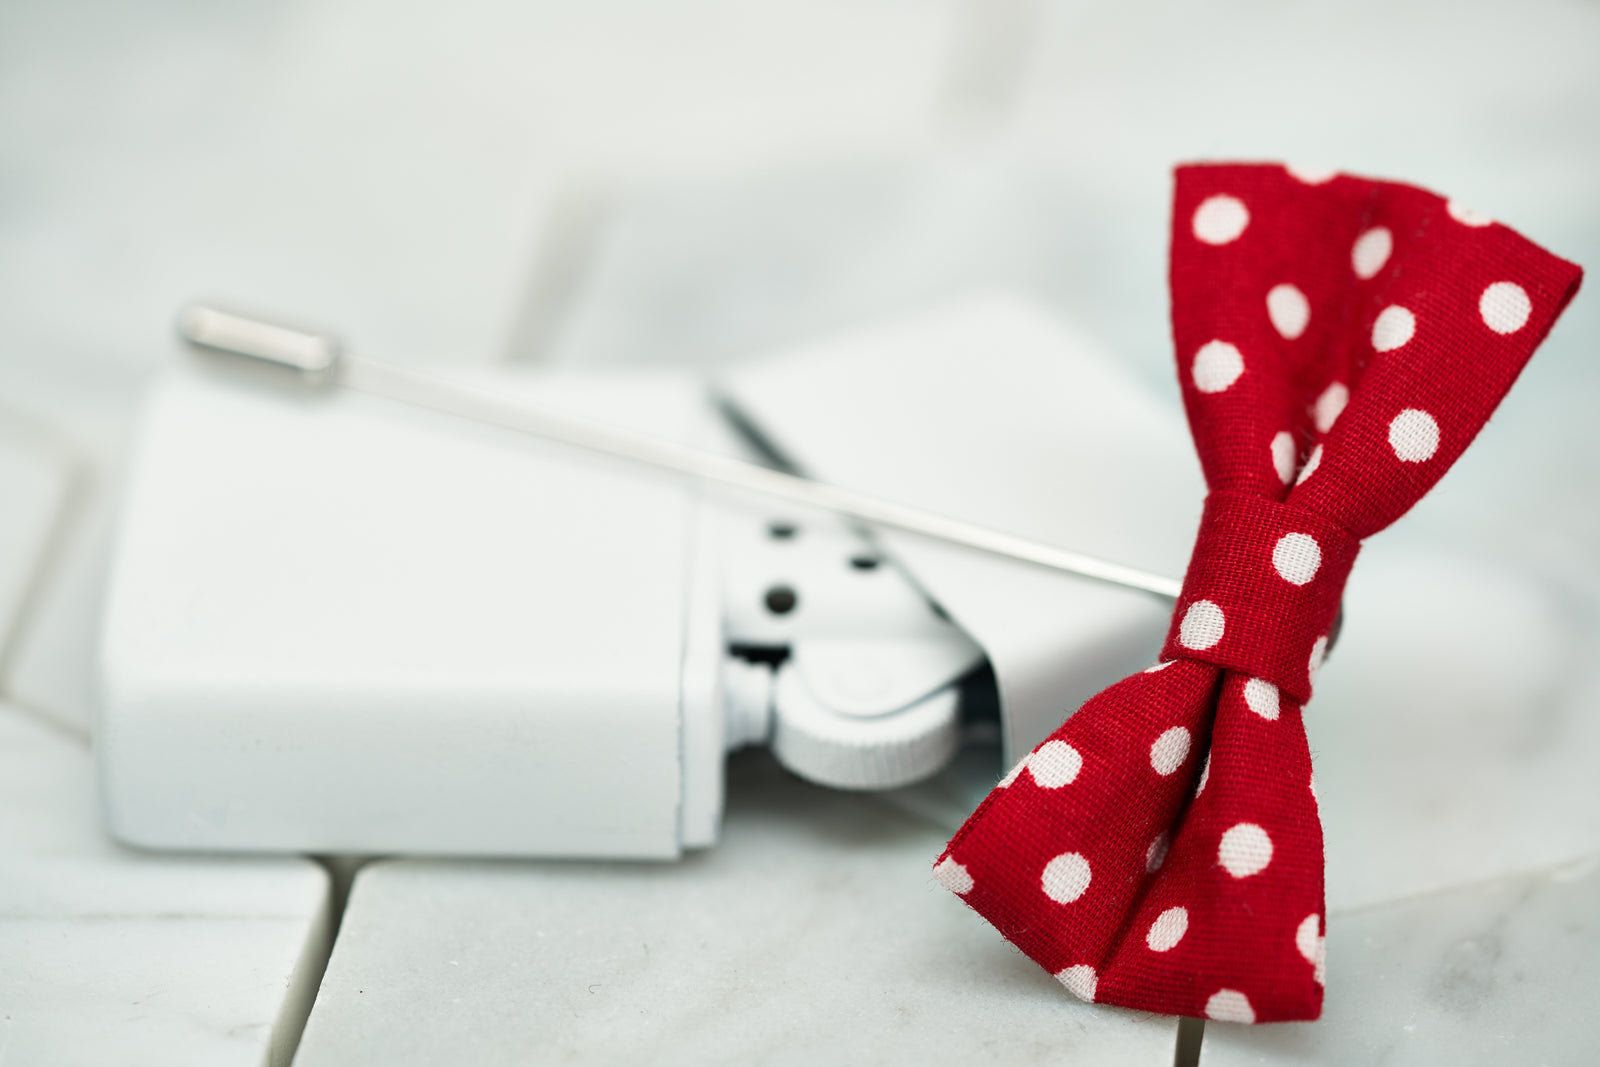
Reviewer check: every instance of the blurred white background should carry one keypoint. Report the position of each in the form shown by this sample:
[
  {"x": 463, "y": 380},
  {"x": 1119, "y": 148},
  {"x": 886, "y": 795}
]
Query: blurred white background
[{"x": 619, "y": 181}]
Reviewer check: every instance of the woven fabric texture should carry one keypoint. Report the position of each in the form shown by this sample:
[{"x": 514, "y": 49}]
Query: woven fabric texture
[{"x": 1340, "y": 341}]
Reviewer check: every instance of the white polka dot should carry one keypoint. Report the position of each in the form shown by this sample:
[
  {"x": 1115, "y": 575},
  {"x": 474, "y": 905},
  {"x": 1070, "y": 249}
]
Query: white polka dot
[
  {"x": 1080, "y": 981},
  {"x": 1283, "y": 456},
  {"x": 1330, "y": 405},
  {"x": 1156, "y": 854},
  {"x": 1319, "y": 652},
  {"x": 1505, "y": 307},
  {"x": 1296, "y": 558},
  {"x": 1371, "y": 251},
  {"x": 1245, "y": 850},
  {"x": 1466, "y": 216},
  {"x": 1289, "y": 310},
  {"x": 953, "y": 876},
  {"x": 1202, "y": 625},
  {"x": 1054, "y": 764},
  {"x": 1230, "y": 1006},
  {"x": 1393, "y": 327},
  {"x": 1262, "y": 698},
  {"x": 1168, "y": 929},
  {"x": 1205, "y": 776},
  {"x": 1311, "y": 784},
  {"x": 1217, "y": 365},
  {"x": 1163, "y": 665},
  {"x": 1313, "y": 946},
  {"x": 1414, "y": 435},
  {"x": 1220, "y": 219},
  {"x": 1065, "y": 878},
  {"x": 1310, "y": 175},
  {"x": 1313, "y": 461},
  {"x": 1012, "y": 774},
  {"x": 1168, "y": 751}
]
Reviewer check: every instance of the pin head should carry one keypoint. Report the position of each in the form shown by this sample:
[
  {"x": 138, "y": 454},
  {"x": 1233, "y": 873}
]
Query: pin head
[{"x": 312, "y": 354}]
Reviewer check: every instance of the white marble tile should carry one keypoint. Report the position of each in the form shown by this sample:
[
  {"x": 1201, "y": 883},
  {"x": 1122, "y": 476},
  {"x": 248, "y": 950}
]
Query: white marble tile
[
  {"x": 704, "y": 272},
  {"x": 1498, "y": 973},
  {"x": 1454, "y": 731},
  {"x": 155, "y": 990},
  {"x": 388, "y": 170},
  {"x": 813, "y": 933},
  {"x": 1124, "y": 93},
  {"x": 119, "y": 956}
]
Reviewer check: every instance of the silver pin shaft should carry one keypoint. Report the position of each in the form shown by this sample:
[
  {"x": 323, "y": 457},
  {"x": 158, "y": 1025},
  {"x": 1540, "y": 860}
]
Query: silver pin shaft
[{"x": 319, "y": 359}]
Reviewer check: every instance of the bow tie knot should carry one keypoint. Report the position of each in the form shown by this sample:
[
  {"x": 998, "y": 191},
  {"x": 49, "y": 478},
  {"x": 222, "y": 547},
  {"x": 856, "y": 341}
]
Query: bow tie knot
[{"x": 1262, "y": 592}]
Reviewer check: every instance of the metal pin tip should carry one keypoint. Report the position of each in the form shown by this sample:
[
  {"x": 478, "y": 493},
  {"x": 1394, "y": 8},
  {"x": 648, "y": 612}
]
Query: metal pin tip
[{"x": 313, "y": 354}]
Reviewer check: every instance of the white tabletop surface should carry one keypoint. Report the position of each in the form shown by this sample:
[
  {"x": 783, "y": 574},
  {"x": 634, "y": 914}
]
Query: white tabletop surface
[
  {"x": 813, "y": 933},
  {"x": 116, "y": 956},
  {"x": 1496, "y": 972},
  {"x": 627, "y": 183}
]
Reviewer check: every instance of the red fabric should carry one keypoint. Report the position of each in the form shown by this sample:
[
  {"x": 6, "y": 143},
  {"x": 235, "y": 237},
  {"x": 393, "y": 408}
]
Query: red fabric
[{"x": 1162, "y": 849}]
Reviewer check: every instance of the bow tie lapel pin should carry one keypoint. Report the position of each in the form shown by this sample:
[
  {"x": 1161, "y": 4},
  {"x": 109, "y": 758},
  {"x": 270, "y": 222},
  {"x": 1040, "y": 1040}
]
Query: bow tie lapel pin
[{"x": 1340, "y": 342}]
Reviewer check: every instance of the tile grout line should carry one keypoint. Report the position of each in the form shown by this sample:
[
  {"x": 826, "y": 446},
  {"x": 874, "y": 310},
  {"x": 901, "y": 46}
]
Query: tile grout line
[
  {"x": 983, "y": 76},
  {"x": 574, "y": 225},
  {"x": 298, "y": 1005},
  {"x": 1544, "y": 871},
  {"x": 40, "y": 717},
  {"x": 69, "y": 519}
]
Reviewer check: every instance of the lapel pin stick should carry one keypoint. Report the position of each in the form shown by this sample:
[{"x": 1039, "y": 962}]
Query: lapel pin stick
[{"x": 321, "y": 362}]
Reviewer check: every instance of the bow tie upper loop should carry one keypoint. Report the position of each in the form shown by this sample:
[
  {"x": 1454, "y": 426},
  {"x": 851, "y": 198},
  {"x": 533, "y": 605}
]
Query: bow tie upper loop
[{"x": 1342, "y": 342}]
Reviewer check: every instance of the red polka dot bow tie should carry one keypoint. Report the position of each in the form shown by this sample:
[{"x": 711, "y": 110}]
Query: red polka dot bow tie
[{"x": 1340, "y": 342}]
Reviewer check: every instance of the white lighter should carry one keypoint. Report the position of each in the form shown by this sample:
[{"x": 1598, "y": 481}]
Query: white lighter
[{"x": 340, "y": 624}]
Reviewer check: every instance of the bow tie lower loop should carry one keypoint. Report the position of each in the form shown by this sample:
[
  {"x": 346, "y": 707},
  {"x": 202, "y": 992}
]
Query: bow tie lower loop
[{"x": 1262, "y": 592}]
